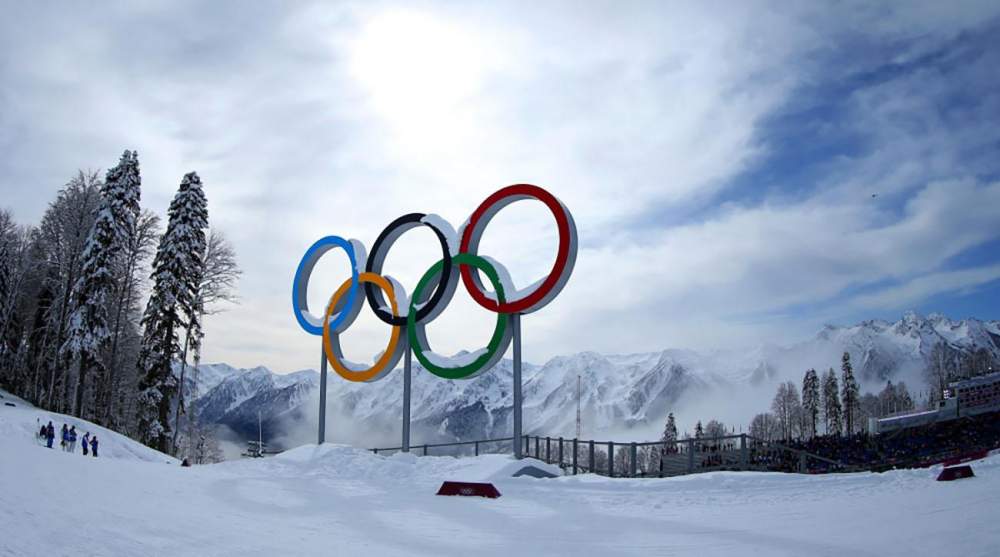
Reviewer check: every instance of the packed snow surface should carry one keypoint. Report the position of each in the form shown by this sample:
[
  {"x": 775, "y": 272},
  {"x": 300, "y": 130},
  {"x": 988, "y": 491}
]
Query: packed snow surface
[
  {"x": 337, "y": 500},
  {"x": 20, "y": 424}
]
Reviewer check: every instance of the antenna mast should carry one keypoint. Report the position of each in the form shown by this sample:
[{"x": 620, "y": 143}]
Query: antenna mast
[{"x": 578, "y": 421}]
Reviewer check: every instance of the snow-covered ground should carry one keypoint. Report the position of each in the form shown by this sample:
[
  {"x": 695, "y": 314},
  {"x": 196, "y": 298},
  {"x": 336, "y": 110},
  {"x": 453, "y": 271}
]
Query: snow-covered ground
[
  {"x": 336, "y": 500},
  {"x": 20, "y": 424}
]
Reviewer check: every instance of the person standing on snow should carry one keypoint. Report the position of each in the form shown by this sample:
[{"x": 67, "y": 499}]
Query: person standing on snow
[
  {"x": 50, "y": 435},
  {"x": 65, "y": 438},
  {"x": 93, "y": 446},
  {"x": 86, "y": 439},
  {"x": 72, "y": 439}
]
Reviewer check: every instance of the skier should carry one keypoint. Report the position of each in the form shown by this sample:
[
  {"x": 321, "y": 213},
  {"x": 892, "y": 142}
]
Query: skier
[
  {"x": 65, "y": 438},
  {"x": 72, "y": 439},
  {"x": 50, "y": 435},
  {"x": 93, "y": 446},
  {"x": 86, "y": 440}
]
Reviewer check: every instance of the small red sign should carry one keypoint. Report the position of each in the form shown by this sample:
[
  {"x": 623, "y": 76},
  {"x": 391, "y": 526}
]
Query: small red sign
[
  {"x": 955, "y": 473},
  {"x": 469, "y": 489}
]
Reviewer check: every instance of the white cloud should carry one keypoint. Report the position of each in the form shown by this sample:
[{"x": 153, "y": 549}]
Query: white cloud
[
  {"x": 319, "y": 120},
  {"x": 923, "y": 287}
]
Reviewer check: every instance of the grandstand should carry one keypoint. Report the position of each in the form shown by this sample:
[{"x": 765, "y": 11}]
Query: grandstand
[{"x": 968, "y": 397}]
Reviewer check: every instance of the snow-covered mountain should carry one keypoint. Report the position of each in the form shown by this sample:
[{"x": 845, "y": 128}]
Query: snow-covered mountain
[
  {"x": 242, "y": 395},
  {"x": 882, "y": 350},
  {"x": 619, "y": 393}
]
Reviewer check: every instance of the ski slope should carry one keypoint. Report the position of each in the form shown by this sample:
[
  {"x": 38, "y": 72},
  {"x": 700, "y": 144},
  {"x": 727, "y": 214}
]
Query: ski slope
[
  {"x": 21, "y": 423},
  {"x": 337, "y": 500}
]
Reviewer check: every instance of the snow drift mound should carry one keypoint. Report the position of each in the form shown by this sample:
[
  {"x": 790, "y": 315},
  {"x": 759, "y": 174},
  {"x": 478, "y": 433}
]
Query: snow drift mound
[
  {"x": 333, "y": 499},
  {"x": 20, "y": 424},
  {"x": 345, "y": 462}
]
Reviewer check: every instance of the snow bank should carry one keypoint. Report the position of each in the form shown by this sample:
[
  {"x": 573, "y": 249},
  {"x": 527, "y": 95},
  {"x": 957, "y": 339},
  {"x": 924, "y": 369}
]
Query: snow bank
[
  {"x": 19, "y": 427},
  {"x": 347, "y": 462},
  {"x": 339, "y": 500}
]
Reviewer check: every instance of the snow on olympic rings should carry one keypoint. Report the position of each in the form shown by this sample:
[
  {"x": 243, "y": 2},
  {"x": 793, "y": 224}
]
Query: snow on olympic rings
[{"x": 435, "y": 289}]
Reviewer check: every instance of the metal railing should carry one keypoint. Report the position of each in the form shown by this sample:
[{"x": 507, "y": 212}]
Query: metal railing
[
  {"x": 664, "y": 459},
  {"x": 646, "y": 459},
  {"x": 463, "y": 448}
]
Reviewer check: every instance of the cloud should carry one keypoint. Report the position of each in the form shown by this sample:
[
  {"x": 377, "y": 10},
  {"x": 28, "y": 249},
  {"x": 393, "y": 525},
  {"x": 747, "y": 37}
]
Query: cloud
[
  {"x": 926, "y": 286},
  {"x": 719, "y": 162}
]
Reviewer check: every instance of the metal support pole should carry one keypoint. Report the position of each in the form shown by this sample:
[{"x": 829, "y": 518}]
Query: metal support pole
[
  {"x": 744, "y": 462},
  {"x": 576, "y": 452},
  {"x": 425, "y": 450},
  {"x": 515, "y": 323},
  {"x": 611, "y": 459},
  {"x": 538, "y": 452},
  {"x": 632, "y": 468},
  {"x": 322, "y": 396},
  {"x": 591, "y": 468},
  {"x": 548, "y": 449},
  {"x": 560, "y": 451},
  {"x": 407, "y": 363},
  {"x": 477, "y": 448},
  {"x": 690, "y": 447}
]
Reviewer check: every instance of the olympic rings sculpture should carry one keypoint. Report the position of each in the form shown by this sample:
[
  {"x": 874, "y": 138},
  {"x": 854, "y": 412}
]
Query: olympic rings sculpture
[{"x": 434, "y": 290}]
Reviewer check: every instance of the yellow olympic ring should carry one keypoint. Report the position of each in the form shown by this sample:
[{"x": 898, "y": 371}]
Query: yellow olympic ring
[{"x": 387, "y": 358}]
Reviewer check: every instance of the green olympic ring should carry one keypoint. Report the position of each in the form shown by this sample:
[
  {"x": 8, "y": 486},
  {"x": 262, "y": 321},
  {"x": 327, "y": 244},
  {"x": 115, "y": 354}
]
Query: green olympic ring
[{"x": 418, "y": 338}]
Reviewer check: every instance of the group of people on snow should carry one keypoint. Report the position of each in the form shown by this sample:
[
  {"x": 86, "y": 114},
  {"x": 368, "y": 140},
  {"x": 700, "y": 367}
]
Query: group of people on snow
[{"x": 68, "y": 442}]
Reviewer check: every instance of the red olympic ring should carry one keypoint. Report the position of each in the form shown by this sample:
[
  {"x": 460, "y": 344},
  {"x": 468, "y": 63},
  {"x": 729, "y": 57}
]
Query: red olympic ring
[{"x": 562, "y": 267}]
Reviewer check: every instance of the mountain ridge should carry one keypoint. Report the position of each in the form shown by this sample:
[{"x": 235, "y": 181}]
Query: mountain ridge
[{"x": 620, "y": 392}]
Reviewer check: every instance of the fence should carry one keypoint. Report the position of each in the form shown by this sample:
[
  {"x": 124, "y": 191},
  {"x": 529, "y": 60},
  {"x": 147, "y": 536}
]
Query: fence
[
  {"x": 647, "y": 459},
  {"x": 458, "y": 448}
]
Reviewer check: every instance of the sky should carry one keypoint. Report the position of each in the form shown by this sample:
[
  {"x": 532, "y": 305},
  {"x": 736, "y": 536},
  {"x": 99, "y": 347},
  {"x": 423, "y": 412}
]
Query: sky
[{"x": 739, "y": 173}]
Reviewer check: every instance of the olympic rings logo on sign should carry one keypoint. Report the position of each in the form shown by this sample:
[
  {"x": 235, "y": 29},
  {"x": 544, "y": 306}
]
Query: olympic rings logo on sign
[{"x": 433, "y": 291}]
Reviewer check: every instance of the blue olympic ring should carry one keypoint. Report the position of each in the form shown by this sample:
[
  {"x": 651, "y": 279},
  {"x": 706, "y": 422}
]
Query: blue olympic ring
[{"x": 300, "y": 305}]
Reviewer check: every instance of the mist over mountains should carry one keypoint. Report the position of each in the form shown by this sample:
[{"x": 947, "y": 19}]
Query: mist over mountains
[{"x": 623, "y": 396}]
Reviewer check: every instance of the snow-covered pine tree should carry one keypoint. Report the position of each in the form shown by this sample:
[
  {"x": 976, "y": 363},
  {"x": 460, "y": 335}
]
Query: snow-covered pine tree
[
  {"x": 670, "y": 434},
  {"x": 850, "y": 396},
  {"x": 128, "y": 188},
  {"x": 89, "y": 336},
  {"x": 832, "y": 411},
  {"x": 655, "y": 454},
  {"x": 176, "y": 270},
  {"x": 811, "y": 401}
]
